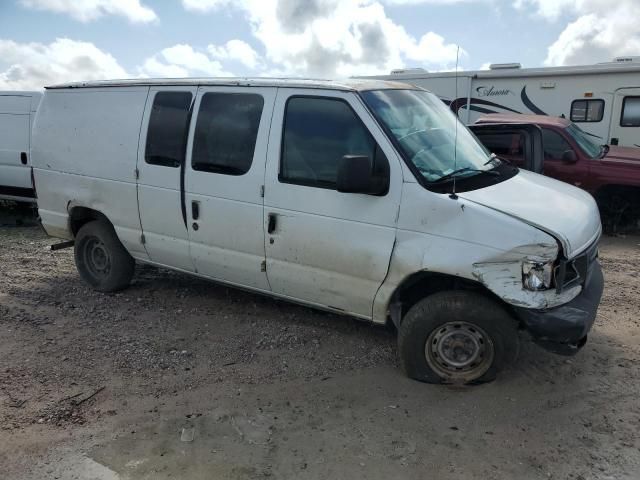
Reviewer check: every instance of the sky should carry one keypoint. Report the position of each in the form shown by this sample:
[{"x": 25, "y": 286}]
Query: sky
[{"x": 43, "y": 42}]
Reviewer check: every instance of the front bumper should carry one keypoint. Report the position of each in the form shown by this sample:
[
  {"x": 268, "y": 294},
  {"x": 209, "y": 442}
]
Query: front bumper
[{"x": 564, "y": 329}]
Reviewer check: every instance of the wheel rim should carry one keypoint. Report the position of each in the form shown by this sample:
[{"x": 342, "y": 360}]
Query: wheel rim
[
  {"x": 97, "y": 258},
  {"x": 459, "y": 351}
]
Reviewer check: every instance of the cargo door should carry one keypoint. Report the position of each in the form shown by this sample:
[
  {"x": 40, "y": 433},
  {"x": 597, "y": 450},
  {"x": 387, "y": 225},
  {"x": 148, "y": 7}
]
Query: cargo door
[
  {"x": 225, "y": 182},
  {"x": 160, "y": 172}
]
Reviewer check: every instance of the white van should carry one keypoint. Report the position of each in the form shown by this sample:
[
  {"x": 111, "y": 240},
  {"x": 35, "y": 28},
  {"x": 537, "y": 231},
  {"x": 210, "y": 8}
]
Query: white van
[
  {"x": 17, "y": 112},
  {"x": 364, "y": 198}
]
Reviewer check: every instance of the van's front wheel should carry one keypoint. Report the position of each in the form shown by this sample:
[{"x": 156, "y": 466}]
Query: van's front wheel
[
  {"x": 456, "y": 337},
  {"x": 101, "y": 259}
]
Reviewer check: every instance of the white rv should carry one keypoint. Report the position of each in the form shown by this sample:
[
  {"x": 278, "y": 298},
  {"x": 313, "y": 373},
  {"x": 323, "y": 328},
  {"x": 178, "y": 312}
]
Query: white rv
[
  {"x": 603, "y": 99},
  {"x": 17, "y": 112},
  {"x": 362, "y": 198}
]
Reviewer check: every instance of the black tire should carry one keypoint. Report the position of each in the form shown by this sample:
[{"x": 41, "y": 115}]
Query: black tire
[
  {"x": 101, "y": 259},
  {"x": 471, "y": 338}
]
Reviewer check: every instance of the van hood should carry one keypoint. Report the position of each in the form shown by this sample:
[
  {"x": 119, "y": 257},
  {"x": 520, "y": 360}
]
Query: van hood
[{"x": 562, "y": 210}]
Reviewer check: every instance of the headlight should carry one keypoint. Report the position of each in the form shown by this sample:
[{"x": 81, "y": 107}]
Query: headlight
[{"x": 536, "y": 275}]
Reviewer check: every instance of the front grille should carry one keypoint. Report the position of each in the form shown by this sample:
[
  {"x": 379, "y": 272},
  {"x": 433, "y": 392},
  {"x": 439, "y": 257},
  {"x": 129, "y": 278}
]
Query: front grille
[{"x": 576, "y": 271}]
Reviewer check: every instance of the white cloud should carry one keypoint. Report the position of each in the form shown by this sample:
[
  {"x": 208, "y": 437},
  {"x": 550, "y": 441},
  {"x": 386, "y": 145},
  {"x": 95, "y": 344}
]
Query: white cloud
[
  {"x": 550, "y": 9},
  {"x": 205, "y": 5},
  {"x": 87, "y": 10},
  {"x": 35, "y": 65},
  {"x": 156, "y": 68},
  {"x": 599, "y": 30},
  {"x": 432, "y": 2},
  {"x": 333, "y": 37},
  {"x": 182, "y": 61},
  {"x": 236, "y": 50}
]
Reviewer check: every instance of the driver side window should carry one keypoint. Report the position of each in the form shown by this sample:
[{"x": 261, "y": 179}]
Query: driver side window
[
  {"x": 554, "y": 144},
  {"x": 317, "y": 133}
]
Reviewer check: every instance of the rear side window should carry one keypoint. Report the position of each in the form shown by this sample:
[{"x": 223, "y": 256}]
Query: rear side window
[
  {"x": 630, "y": 112},
  {"x": 507, "y": 144},
  {"x": 226, "y": 132},
  {"x": 318, "y": 132},
  {"x": 554, "y": 144},
  {"x": 587, "y": 110},
  {"x": 167, "y": 132}
]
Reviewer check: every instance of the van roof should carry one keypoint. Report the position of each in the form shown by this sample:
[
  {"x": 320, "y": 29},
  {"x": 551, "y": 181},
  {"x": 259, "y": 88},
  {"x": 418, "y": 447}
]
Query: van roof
[
  {"x": 351, "y": 84},
  {"x": 19, "y": 93}
]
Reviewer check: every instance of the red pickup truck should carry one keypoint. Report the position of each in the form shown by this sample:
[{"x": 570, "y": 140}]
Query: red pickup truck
[{"x": 610, "y": 173}]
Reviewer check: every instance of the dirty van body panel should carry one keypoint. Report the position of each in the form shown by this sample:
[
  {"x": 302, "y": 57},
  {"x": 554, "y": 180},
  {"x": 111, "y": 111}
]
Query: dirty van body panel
[
  {"x": 224, "y": 183},
  {"x": 84, "y": 155},
  {"x": 438, "y": 234},
  {"x": 160, "y": 164},
  {"x": 17, "y": 111},
  {"x": 322, "y": 245},
  {"x": 574, "y": 220}
]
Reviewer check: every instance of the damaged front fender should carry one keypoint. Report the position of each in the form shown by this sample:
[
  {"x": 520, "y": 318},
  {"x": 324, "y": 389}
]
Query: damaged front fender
[{"x": 503, "y": 276}]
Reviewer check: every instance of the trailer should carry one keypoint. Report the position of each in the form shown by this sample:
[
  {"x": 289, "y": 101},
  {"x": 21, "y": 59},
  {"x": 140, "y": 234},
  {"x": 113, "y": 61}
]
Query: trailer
[
  {"x": 603, "y": 99},
  {"x": 17, "y": 112}
]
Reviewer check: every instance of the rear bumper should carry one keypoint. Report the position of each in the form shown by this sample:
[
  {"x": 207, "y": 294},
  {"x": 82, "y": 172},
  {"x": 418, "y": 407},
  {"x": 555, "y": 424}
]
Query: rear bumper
[{"x": 564, "y": 329}]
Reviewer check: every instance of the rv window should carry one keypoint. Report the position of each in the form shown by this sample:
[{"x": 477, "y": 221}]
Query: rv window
[
  {"x": 226, "y": 132},
  {"x": 167, "y": 132},
  {"x": 630, "y": 112},
  {"x": 587, "y": 110},
  {"x": 318, "y": 132}
]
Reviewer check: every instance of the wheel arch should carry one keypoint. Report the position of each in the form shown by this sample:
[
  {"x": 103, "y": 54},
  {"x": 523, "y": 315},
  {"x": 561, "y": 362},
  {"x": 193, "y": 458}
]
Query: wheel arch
[
  {"x": 80, "y": 216},
  {"x": 423, "y": 283}
]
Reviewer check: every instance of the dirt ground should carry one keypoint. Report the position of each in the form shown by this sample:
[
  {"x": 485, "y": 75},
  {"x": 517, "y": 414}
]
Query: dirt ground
[{"x": 181, "y": 378}]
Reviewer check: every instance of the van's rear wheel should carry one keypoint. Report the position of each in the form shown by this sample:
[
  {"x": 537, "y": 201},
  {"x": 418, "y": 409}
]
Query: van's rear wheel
[
  {"x": 101, "y": 259},
  {"x": 456, "y": 337}
]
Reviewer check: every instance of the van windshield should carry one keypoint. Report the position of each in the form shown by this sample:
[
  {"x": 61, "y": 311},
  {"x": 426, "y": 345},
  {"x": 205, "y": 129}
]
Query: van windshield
[{"x": 424, "y": 129}]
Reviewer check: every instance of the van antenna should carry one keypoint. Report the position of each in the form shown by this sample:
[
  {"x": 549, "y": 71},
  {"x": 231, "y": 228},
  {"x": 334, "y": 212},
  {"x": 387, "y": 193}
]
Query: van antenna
[{"x": 455, "y": 138}]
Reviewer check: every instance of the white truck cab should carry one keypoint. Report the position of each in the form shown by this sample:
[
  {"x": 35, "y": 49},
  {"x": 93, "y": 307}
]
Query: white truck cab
[
  {"x": 17, "y": 112},
  {"x": 365, "y": 198}
]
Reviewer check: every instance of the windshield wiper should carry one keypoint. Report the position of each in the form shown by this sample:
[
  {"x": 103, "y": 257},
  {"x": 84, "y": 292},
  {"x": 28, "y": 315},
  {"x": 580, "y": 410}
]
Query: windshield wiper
[
  {"x": 493, "y": 159},
  {"x": 462, "y": 170}
]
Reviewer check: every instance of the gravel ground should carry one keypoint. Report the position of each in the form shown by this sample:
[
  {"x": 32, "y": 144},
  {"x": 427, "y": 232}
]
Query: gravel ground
[{"x": 177, "y": 377}]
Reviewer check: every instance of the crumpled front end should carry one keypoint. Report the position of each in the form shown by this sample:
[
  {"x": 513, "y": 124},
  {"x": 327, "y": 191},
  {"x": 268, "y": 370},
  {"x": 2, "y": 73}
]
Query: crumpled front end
[
  {"x": 503, "y": 276},
  {"x": 564, "y": 329},
  {"x": 558, "y": 318}
]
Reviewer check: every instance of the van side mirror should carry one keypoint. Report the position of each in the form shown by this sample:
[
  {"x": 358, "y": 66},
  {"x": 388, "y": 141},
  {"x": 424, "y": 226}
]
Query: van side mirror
[
  {"x": 569, "y": 156},
  {"x": 355, "y": 175}
]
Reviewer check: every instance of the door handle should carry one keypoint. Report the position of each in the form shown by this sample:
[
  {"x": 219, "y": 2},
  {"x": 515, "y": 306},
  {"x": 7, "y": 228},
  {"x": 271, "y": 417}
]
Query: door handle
[
  {"x": 195, "y": 210},
  {"x": 271, "y": 225},
  {"x": 614, "y": 141}
]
